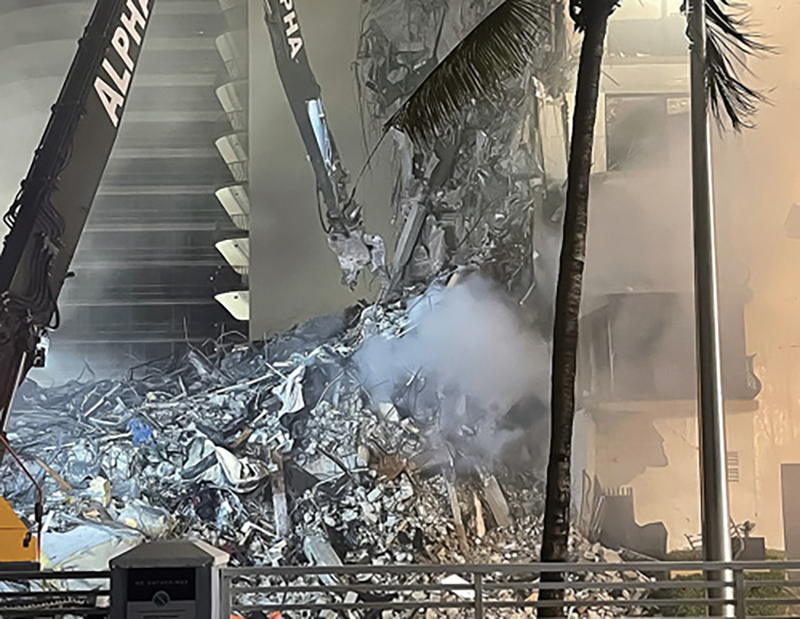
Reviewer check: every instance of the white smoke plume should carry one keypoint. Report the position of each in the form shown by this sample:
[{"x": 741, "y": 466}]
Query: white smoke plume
[{"x": 466, "y": 368}]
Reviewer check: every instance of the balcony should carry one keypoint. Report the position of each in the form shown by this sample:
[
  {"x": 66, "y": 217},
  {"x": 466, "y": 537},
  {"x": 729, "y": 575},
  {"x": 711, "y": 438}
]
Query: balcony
[
  {"x": 237, "y": 303},
  {"x": 232, "y": 47},
  {"x": 233, "y": 98},
  {"x": 233, "y": 148},
  {"x": 236, "y": 202},
  {"x": 640, "y": 347},
  {"x": 236, "y": 253}
]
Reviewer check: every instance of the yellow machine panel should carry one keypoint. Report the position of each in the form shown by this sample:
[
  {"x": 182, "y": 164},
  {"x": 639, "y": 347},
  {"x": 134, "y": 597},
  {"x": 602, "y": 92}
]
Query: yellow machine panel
[{"x": 12, "y": 537}]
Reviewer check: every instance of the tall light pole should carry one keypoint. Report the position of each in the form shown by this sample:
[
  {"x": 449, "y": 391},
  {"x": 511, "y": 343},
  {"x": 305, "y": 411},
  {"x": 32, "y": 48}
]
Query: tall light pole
[{"x": 713, "y": 455}]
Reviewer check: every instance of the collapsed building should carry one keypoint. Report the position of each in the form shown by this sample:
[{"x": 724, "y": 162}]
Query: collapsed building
[
  {"x": 382, "y": 435},
  {"x": 311, "y": 447}
]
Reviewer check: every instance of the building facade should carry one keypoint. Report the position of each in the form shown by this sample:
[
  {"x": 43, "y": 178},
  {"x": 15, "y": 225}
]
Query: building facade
[
  {"x": 146, "y": 270},
  {"x": 639, "y": 423}
]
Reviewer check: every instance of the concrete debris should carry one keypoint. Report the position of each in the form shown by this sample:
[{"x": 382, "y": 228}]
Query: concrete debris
[
  {"x": 86, "y": 547},
  {"x": 497, "y": 502},
  {"x": 454, "y": 580},
  {"x": 480, "y": 523},
  {"x": 278, "y": 454},
  {"x": 154, "y": 522},
  {"x": 279, "y": 504},
  {"x": 356, "y": 252},
  {"x": 319, "y": 552},
  {"x": 458, "y": 521}
]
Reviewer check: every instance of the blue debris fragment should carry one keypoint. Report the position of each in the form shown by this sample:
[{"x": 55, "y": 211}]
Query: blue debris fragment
[{"x": 142, "y": 433}]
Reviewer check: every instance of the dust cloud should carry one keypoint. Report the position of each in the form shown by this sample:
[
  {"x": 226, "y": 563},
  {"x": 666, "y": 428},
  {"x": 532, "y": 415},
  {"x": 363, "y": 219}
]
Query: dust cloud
[
  {"x": 757, "y": 182},
  {"x": 464, "y": 362}
]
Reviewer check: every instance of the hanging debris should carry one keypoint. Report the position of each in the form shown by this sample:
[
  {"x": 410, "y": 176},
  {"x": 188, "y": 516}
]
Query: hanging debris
[{"x": 473, "y": 197}]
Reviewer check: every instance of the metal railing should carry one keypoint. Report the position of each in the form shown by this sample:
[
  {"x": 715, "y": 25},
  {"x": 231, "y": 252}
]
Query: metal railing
[
  {"x": 54, "y": 594},
  {"x": 663, "y": 589}
]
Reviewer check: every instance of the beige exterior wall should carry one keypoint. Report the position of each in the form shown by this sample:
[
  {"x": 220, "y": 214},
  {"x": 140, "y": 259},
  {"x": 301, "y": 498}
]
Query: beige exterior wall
[
  {"x": 653, "y": 449},
  {"x": 777, "y": 434},
  {"x": 758, "y": 180}
]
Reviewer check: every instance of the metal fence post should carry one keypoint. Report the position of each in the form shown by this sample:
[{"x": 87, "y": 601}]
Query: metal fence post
[
  {"x": 225, "y": 602},
  {"x": 740, "y": 593},
  {"x": 478, "y": 580},
  {"x": 715, "y": 510}
]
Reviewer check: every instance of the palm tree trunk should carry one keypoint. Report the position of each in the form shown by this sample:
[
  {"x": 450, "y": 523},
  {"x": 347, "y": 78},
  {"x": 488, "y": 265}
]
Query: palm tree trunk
[{"x": 555, "y": 540}]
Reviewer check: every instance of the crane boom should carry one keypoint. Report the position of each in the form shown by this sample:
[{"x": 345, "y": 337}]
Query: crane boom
[
  {"x": 355, "y": 250},
  {"x": 51, "y": 208},
  {"x": 304, "y": 96}
]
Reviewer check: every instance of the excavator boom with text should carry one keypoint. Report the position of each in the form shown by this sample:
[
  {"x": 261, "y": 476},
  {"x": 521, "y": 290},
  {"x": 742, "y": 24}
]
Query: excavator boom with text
[{"x": 49, "y": 213}]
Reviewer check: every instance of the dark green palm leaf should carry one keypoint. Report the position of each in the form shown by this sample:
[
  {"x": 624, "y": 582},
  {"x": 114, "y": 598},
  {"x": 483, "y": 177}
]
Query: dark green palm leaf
[
  {"x": 500, "y": 46},
  {"x": 728, "y": 45},
  {"x": 504, "y": 43}
]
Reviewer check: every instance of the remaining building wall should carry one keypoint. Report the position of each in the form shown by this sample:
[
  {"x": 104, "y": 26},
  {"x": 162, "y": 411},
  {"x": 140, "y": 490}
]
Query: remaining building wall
[
  {"x": 640, "y": 241},
  {"x": 653, "y": 450}
]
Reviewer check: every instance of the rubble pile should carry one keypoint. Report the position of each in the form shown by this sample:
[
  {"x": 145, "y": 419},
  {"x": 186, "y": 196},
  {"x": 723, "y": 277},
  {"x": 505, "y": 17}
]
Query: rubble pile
[
  {"x": 265, "y": 443},
  {"x": 282, "y": 454}
]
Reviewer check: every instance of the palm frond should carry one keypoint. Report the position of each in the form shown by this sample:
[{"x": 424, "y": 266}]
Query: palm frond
[
  {"x": 499, "y": 47},
  {"x": 728, "y": 45}
]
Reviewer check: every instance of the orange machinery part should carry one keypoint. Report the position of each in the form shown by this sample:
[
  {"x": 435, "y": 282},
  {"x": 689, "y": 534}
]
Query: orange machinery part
[{"x": 13, "y": 532}]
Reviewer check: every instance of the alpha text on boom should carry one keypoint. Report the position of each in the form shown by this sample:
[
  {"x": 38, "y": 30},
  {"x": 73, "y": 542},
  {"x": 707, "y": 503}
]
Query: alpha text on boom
[
  {"x": 293, "y": 37},
  {"x": 130, "y": 32}
]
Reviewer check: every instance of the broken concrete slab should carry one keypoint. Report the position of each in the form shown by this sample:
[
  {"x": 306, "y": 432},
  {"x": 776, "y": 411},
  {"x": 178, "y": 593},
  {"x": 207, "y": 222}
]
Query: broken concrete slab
[{"x": 497, "y": 501}]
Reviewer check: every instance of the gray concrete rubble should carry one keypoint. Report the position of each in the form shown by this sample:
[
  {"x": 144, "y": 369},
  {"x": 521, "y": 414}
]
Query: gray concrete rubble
[{"x": 277, "y": 453}]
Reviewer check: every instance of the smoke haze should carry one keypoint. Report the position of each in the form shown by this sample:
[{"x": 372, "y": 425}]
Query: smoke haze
[
  {"x": 465, "y": 361},
  {"x": 757, "y": 181}
]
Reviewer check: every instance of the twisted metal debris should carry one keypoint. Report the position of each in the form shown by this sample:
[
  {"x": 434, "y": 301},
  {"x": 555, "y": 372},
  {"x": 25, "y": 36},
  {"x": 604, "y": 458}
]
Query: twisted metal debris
[{"x": 193, "y": 447}]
